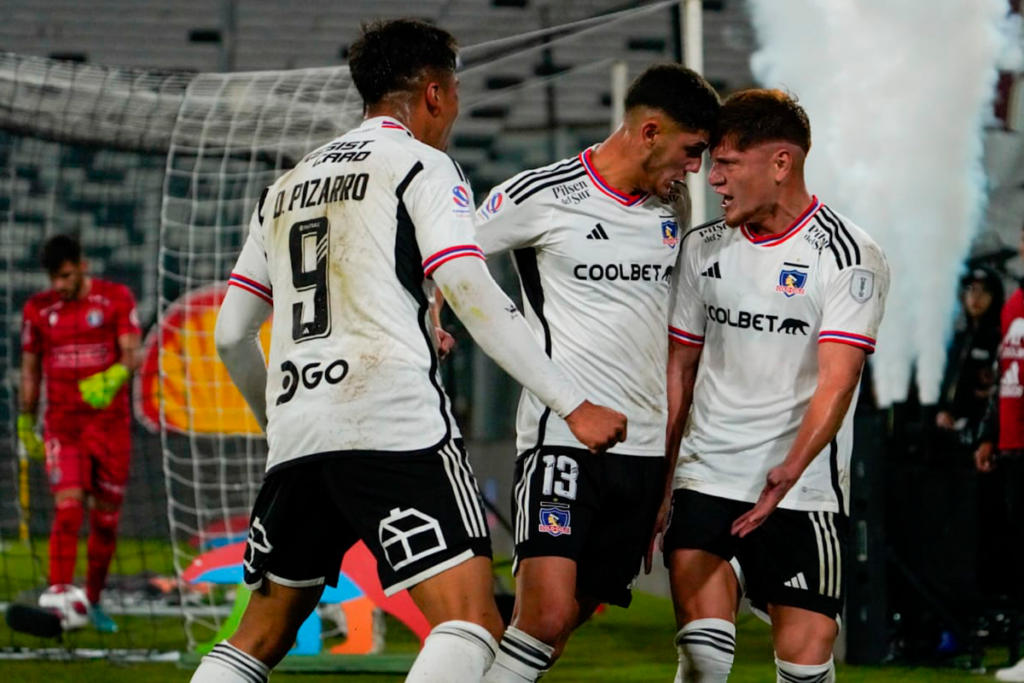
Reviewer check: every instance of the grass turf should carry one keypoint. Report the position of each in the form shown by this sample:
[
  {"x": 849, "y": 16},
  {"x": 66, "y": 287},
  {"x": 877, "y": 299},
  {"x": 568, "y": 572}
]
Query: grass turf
[{"x": 618, "y": 645}]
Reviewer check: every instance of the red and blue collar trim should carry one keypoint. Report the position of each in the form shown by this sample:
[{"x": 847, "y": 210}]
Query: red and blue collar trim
[
  {"x": 794, "y": 228},
  {"x": 388, "y": 123},
  {"x": 605, "y": 187}
]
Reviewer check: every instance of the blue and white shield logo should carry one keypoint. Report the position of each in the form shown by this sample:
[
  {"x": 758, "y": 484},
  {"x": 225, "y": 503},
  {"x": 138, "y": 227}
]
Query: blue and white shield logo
[
  {"x": 791, "y": 282},
  {"x": 670, "y": 233},
  {"x": 94, "y": 318},
  {"x": 554, "y": 521}
]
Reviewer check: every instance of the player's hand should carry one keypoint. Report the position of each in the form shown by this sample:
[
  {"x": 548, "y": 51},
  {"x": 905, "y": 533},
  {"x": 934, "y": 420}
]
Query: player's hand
[
  {"x": 598, "y": 428},
  {"x": 658, "y": 533},
  {"x": 28, "y": 437},
  {"x": 984, "y": 457},
  {"x": 445, "y": 342},
  {"x": 780, "y": 481},
  {"x": 99, "y": 390},
  {"x": 944, "y": 420}
]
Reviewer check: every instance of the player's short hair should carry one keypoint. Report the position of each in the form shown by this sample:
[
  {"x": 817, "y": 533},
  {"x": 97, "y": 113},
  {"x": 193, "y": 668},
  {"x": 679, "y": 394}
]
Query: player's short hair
[
  {"x": 753, "y": 117},
  {"x": 391, "y": 56},
  {"x": 681, "y": 93},
  {"x": 58, "y": 250}
]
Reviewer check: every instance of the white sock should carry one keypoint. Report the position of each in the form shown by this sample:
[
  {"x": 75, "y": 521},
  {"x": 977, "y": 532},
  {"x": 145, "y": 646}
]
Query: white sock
[
  {"x": 521, "y": 657},
  {"x": 706, "y": 650},
  {"x": 227, "y": 664},
  {"x": 455, "y": 652},
  {"x": 806, "y": 673}
]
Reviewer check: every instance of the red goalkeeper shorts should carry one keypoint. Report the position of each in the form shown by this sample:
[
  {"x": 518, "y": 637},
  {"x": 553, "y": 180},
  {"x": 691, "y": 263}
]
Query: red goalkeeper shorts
[{"x": 89, "y": 451}]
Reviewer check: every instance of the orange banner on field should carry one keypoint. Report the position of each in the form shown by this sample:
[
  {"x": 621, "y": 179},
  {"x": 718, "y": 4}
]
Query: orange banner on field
[{"x": 182, "y": 383}]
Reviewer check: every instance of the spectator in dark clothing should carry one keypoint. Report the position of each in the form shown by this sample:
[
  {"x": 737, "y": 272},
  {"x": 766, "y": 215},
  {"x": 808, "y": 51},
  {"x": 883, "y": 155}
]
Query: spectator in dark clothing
[{"x": 970, "y": 377}]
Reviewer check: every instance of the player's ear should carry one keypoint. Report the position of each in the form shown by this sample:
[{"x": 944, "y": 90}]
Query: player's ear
[
  {"x": 782, "y": 164},
  {"x": 650, "y": 129},
  {"x": 432, "y": 97}
]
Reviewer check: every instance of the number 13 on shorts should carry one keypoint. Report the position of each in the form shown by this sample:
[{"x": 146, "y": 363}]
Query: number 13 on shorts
[{"x": 567, "y": 470}]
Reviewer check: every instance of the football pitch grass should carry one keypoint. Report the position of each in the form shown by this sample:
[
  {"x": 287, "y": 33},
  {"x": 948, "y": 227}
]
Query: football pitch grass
[{"x": 618, "y": 645}]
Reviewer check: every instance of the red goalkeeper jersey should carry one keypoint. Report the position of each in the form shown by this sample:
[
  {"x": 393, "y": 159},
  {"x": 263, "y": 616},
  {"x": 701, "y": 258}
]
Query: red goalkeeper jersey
[{"x": 77, "y": 339}]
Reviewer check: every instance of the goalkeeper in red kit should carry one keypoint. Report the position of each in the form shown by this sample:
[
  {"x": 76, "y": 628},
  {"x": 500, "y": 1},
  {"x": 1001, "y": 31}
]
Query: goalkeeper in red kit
[{"x": 82, "y": 336}]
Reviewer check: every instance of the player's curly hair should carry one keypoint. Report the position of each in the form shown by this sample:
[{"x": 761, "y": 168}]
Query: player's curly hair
[
  {"x": 755, "y": 116},
  {"x": 681, "y": 93},
  {"x": 391, "y": 56},
  {"x": 58, "y": 250}
]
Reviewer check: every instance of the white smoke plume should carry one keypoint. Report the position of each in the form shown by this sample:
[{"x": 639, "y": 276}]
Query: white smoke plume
[{"x": 897, "y": 92}]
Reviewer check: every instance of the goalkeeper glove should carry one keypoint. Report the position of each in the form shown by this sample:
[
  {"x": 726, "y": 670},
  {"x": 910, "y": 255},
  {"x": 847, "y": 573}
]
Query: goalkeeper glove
[
  {"x": 100, "y": 389},
  {"x": 28, "y": 437}
]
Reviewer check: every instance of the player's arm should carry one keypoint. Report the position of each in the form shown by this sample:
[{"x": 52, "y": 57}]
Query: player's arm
[
  {"x": 839, "y": 370},
  {"x": 246, "y": 306},
  {"x": 853, "y": 308},
  {"x": 686, "y": 340},
  {"x": 498, "y": 327},
  {"x": 445, "y": 341},
  {"x": 31, "y": 379},
  {"x": 129, "y": 344},
  {"x": 683, "y": 360},
  {"x": 129, "y": 335}
]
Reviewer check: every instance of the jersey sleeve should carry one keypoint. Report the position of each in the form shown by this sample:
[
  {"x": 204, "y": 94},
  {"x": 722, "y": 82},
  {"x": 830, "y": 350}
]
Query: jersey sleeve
[
  {"x": 31, "y": 332},
  {"x": 855, "y": 302},
  {"x": 125, "y": 313},
  {"x": 686, "y": 320},
  {"x": 504, "y": 225},
  {"x": 250, "y": 272},
  {"x": 439, "y": 202}
]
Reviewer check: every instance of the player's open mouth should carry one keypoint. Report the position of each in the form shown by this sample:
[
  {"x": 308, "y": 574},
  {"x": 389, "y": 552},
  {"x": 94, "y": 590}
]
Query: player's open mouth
[{"x": 726, "y": 200}]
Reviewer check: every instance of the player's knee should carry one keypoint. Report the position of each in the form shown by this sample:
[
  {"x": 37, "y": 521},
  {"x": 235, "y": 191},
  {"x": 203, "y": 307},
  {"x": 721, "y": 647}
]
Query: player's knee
[
  {"x": 804, "y": 641},
  {"x": 104, "y": 521},
  {"x": 268, "y": 641},
  {"x": 69, "y": 513},
  {"x": 551, "y": 624}
]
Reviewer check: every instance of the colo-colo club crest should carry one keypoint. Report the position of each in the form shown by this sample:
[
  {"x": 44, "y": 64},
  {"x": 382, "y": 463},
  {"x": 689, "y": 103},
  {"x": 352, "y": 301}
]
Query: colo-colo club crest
[
  {"x": 670, "y": 233},
  {"x": 791, "y": 282}
]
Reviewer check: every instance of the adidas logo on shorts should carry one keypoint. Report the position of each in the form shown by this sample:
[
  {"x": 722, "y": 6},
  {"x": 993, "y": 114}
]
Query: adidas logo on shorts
[{"x": 797, "y": 581}]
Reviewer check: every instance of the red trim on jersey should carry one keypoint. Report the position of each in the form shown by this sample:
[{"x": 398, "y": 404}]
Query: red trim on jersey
[
  {"x": 233, "y": 283},
  {"x": 675, "y": 334},
  {"x": 605, "y": 187},
  {"x": 858, "y": 340},
  {"x": 794, "y": 227},
  {"x": 251, "y": 286},
  {"x": 432, "y": 263},
  {"x": 253, "y": 283},
  {"x": 391, "y": 124}
]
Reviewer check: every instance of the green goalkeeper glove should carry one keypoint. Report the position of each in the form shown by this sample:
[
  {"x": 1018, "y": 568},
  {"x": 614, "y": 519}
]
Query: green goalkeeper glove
[
  {"x": 100, "y": 389},
  {"x": 28, "y": 437}
]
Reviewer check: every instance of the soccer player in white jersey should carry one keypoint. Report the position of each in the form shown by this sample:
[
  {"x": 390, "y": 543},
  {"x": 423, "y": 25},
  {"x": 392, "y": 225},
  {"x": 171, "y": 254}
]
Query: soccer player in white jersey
[
  {"x": 362, "y": 442},
  {"x": 780, "y": 302},
  {"x": 595, "y": 244}
]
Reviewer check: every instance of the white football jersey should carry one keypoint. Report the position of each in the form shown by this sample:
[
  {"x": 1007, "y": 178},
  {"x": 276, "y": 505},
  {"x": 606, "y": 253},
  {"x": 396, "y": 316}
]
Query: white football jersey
[
  {"x": 344, "y": 245},
  {"x": 596, "y": 268},
  {"x": 760, "y": 305}
]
